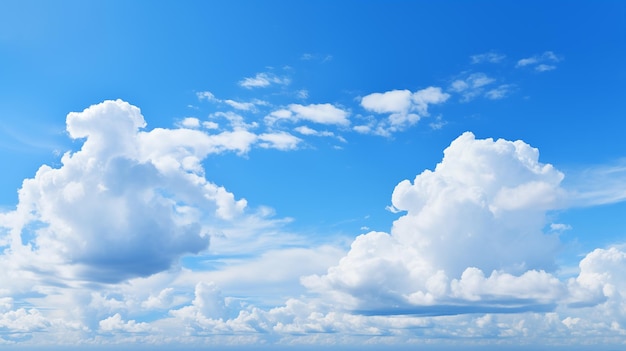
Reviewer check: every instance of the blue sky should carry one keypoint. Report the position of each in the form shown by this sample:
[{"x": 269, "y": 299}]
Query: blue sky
[{"x": 300, "y": 174}]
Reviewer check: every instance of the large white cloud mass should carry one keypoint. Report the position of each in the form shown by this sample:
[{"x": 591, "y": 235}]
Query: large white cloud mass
[
  {"x": 128, "y": 203},
  {"x": 91, "y": 255},
  {"x": 471, "y": 240}
]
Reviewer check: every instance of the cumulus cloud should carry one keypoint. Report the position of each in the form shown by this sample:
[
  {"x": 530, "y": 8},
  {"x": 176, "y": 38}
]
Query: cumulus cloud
[
  {"x": 541, "y": 63},
  {"x": 117, "y": 325},
  {"x": 404, "y": 108},
  {"x": 190, "y": 122},
  {"x": 129, "y": 202},
  {"x": 471, "y": 240},
  {"x": 317, "y": 113}
]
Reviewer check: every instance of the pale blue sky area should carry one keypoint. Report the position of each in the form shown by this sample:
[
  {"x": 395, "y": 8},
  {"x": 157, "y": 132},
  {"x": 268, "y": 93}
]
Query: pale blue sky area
[{"x": 217, "y": 173}]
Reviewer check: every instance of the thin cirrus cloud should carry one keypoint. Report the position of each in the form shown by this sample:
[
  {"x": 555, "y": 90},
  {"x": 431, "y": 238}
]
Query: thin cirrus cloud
[
  {"x": 489, "y": 57},
  {"x": 263, "y": 80},
  {"x": 541, "y": 63},
  {"x": 318, "y": 113},
  {"x": 237, "y": 105}
]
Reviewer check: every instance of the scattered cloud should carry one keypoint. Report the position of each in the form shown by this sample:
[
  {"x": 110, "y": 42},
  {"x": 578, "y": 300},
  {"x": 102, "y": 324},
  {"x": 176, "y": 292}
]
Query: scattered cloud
[
  {"x": 317, "y": 113},
  {"x": 244, "y": 106},
  {"x": 190, "y": 122},
  {"x": 316, "y": 57},
  {"x": 499, "y": 92},
  {"x": 237, "y": 105},
  {"x": 543, "y": 67},
  {"x": 541, "y": 63},
  {"x": 206, "y": 95},
  {"x": 438, "y": 123},
  {"x": 489, "y": 57},
  {"x": 263, "y": 80},
  {"x": 471, "y": 86},
  {"x": 404, "y": 108},
  {"x": 280, "y": 141}
]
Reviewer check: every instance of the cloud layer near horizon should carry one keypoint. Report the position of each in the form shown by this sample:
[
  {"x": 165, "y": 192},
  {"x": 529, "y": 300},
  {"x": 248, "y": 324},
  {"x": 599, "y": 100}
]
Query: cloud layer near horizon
[{"x": 92, "y": 251}]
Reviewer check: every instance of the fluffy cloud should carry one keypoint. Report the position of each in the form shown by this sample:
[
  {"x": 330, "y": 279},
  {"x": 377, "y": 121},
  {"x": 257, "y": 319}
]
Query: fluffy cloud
[
  {"x": 404, "y": 108},
  {"x": 129, "y": 202},
  {"x": 279, "y": 140},
  {"x": 472, "y": 255},
  {"x": 481, "y": 211},
  {"x": 317, "y": 113}
]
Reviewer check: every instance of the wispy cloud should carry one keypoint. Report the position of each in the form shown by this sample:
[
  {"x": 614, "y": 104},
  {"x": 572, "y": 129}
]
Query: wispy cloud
[
  {"x": 489, "y": 57},
  {"x": 263, "y": 80},
  {"x": 472, "y": 86},
  {"x": 499, "y": 92},
  {"x": 318, "y": 113},
  {"x": 238, "y": 105},
  {"x": 541, "y": 63}
]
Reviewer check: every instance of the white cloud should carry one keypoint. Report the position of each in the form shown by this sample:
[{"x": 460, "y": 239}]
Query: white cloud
[
  {"x": 317, "y": 113},
  {"x": 210, "y": 125},
  {"x": 543, "y": 67},
  {"x": 279, "y": 140},
  {"x": 405, "y": 109},
  {"x": 394, "y": 101},
  {"x": 473, "y": 86},
  {"x": 206, "y": 95},
  {"x": 527, "y": 61},
  {"x": 244, "y": 106},
  {"x": 304, "y": 130},
  {"x": 129, "y": 202},
  {"x": 490, "y": 57},
  {"x": 262, "y": 80},
  {"x": 190, "y": 122},
  {"x": 236, "y": 121},
  {"x": 116, "y": 324},
  {"x": 484, "y": 196},
  {"x": 541, "y": 63},
  {"x": 237, "y": 105},
  {"x": 500, "y": 92}
]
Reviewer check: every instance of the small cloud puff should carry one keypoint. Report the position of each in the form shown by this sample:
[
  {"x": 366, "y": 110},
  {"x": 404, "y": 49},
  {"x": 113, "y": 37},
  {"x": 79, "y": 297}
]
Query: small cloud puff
[
  {"x": 541, "y": 63},
  {"x": 404, "y": 108},
  {"x": 473, "y": 86},
  {"x": 489, "y": 57},
  {"x": 263, "y": 80}
]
